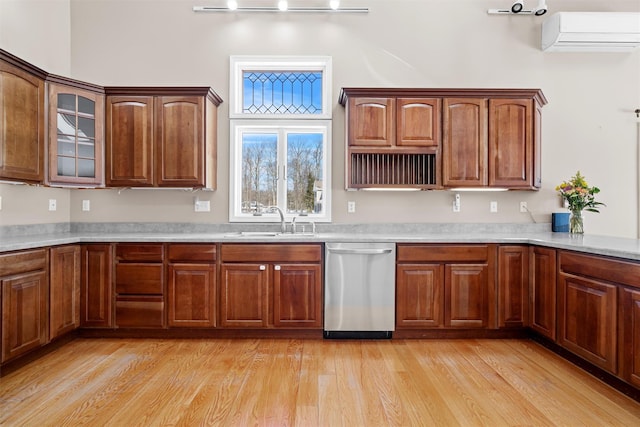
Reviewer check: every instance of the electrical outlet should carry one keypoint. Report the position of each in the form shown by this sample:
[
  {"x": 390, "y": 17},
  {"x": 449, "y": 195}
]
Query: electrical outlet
[
  {"x": 493, "y": 206},
  {"x": 86, "y": 205},
  {"x": 202, "y": 206},
  {"x": 456, "y": 203},
  {"x": 351, "y": 207},
  {"x": 523, "y": 207},
  {"x": 52, "y": 204}
]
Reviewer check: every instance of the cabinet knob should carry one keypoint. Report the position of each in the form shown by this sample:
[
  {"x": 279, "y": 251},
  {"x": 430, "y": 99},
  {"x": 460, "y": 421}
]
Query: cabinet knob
[
  {"x": 277, "y": 268},
  {"x": 263, "y": 267}
]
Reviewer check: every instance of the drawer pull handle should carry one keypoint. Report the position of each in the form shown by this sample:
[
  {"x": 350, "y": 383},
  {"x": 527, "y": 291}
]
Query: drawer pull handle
[
  {"x": 277, "y": 268},
  {"x": 263, "y": 267}
]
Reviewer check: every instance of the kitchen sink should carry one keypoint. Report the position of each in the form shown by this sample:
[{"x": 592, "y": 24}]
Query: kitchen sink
[{"x": 261, "y": 234}]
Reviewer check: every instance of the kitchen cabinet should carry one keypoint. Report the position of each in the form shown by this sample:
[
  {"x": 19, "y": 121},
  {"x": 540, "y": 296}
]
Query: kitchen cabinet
[
  {"x": 492, "y": 142},
  {"x": 392, "y": 141},
  {"x": 64, "y": 290},
  {"x": 24, "y": 283},
  {"x": 161, "y": 137},
  {"x": 542, "y": 297},
  {"x": 446, "y": 286},
  {"x": 587, "y": 310},
  {"x": 22, "y": 125},
  {"x": 76, "y": 132},
  {"x": 96, "y": 289},
  {"x": 513, "y": 286},
  {"x": 271, "y": 285},
  {"x": 191, "y": 285},
  {"x": 139, "y": 285},
  {"x": 629, "y": 335}
]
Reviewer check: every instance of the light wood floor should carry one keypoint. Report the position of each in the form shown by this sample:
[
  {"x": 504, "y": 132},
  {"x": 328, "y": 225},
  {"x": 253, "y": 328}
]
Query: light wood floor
[{"x": 128, "y": 382}]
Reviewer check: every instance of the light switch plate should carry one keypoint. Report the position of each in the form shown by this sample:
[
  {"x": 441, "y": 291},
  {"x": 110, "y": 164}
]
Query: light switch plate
[
  {"x": 493, "y": 206},
  {"x": 202, "y": 206},
  {"x": 86, "y": 205},
  {"x": 52, "y": 204}
]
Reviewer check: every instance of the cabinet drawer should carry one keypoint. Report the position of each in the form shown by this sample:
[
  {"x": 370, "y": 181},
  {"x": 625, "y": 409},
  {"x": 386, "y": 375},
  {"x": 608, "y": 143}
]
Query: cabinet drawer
[
  {"x": 271, "y": 253},
  {"x": 444, "y": 253},
  {"x": 204, "y": 253},
  {"x": 597, "y": 267},
  {"x": 139, "y": 252},
  {"x": 139, "y": 279},
  {"x": 21, "y": 262},
  {"x": 140, "y": 311}
]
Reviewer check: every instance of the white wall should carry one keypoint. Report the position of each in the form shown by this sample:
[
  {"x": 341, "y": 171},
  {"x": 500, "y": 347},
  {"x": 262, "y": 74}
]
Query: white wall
[{"x": 588, "y": 124}]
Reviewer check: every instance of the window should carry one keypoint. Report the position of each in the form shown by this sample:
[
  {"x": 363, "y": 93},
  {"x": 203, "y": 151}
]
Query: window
[{"x": 280, "y": 144}]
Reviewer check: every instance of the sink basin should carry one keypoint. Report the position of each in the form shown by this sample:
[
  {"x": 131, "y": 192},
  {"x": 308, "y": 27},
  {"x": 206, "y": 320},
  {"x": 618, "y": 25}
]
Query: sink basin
[{"x": 266, "y": 234}]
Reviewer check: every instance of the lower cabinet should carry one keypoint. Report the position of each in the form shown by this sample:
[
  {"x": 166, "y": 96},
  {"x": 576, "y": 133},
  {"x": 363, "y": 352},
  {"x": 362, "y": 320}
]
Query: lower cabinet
[
  {"x": 64, "y": 290},
  {"x": 273, "y": 285},
  {"x": 542, "y": 296},
  {"x": 96, "y": 288},
  {"x": 25, "y": 301},
  {"x": 191, "y": 285},
  {"x": 139, "y": 285},
  {"x": 587, "y": 309},
  {"x": 445, "y": 286},
  {"x": 629, "y": 335},
  {"x": 513, "y": 286}
]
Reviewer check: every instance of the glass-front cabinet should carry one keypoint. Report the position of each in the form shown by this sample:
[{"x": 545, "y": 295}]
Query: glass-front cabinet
[{"x": 76, "y": 129}]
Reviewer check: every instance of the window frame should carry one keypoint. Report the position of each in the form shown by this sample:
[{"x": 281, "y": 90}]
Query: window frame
[{"x": 241, "y": 122}]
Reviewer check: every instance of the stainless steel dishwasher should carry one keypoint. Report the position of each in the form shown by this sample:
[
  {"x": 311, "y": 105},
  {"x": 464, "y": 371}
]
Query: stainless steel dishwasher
[{"x": 360, "y": 289}]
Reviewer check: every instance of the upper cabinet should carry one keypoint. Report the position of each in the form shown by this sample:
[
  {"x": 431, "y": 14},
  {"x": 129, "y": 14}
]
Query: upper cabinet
[
  {"x": 161, "y": 137},
  {"x": 443, "y": 138},
  {"x": 22, "y": 120},
  {"x": 76, "y": 132}
]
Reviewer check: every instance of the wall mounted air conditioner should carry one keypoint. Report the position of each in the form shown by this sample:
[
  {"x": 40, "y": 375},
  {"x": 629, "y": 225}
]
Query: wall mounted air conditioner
[{"x": 591, "y": 32}]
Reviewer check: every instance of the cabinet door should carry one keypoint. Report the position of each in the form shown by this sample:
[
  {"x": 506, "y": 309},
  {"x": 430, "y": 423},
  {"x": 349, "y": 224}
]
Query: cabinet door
[
  {"x": 511, "y": 154},
  {"x": 24, "y": 313},
  {"x": 466, "y": 295},
  {"x": 543, "y": 291},
  {"x": 371, "y": 121},
  {"x": 420, "y": 296},
  {"x": 588, "y": 319},
  {"x": 64, "y": 290},
  {"x": 418, "y": 122},
  {"x": 629, "y": 330},
  {"x": 244, "y": 295},
  {"x": 180, "y": 141},
  {"x": 192, "y": 295},
  {"x": 76, "y": 122},
  {"x": 22, "y": 125},
  {"x": 513, "y": 286},
  {"x": 297, "y": 295},
  {"x": 464, "y": 145},
  {"x": 96, "y": 302},
  {"x": 129, "y": 141}
]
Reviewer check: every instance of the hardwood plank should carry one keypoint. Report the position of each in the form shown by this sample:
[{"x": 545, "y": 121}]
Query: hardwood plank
[{"x": 238, "y": 382}]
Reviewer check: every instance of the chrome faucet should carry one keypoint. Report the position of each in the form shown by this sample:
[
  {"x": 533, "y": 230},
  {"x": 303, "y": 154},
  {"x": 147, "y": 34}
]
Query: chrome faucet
[{"x": 283, "y": 224}]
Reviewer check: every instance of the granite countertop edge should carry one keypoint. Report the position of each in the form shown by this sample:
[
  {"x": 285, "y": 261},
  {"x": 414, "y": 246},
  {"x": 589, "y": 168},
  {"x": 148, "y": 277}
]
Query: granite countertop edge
[{"x": 594, "y": 244}]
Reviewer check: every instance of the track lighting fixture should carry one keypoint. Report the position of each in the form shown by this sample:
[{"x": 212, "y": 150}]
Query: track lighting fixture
[
  {"x": 332, "y": 6},
  {"x": 541, "y": 8},
  {"x": 517, "y": 8}
]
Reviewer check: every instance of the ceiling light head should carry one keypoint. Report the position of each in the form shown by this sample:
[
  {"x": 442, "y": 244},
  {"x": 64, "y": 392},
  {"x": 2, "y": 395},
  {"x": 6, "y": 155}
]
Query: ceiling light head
[
  {"x": 232, "y": 4},
  {"x": 541, "y": 9},
  {"x": 334, "y": 4},
  {"x": 282, "y": 5},
  {"x": 517, "y": 6}
]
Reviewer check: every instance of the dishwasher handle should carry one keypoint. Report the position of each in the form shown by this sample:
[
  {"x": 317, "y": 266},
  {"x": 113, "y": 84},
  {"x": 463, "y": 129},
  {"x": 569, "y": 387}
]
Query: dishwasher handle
[{"x": 360, "y": 251}]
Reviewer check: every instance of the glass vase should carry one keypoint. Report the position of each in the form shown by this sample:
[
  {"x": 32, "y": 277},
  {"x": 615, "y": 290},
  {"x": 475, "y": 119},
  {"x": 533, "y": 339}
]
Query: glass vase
[{"x": 575, "y": 222}]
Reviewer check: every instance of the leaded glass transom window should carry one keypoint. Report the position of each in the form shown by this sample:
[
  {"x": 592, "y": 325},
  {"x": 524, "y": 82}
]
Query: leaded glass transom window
[{"x": 282, "y": 92}]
